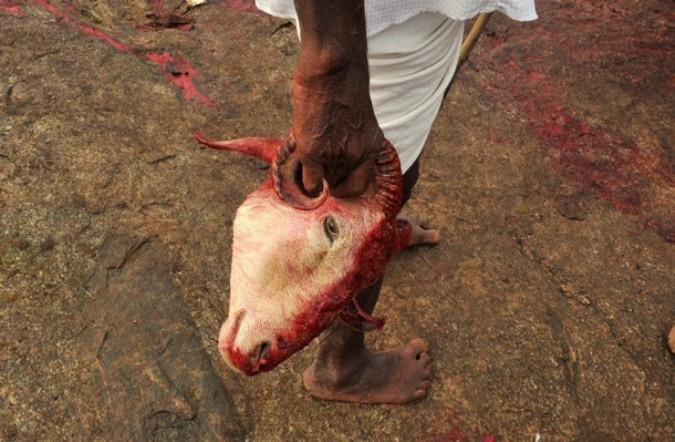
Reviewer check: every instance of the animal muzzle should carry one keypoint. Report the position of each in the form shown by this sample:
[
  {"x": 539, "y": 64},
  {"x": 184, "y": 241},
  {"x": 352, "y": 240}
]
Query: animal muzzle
[{"x": 248, "y": 351}]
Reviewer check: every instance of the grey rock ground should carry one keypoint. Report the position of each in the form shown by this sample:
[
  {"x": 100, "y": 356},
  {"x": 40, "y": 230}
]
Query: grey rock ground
[
  {"x": 151, "y": 379},
  {"x": 549, "y": 172}
]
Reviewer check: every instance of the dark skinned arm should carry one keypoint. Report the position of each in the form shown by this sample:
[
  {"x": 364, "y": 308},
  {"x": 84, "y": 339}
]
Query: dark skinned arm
[{"x": 335, "y": 127}]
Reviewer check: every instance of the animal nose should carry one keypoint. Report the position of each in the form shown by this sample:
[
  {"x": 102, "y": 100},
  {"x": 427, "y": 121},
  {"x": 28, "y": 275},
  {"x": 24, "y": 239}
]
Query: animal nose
[
  {"x": 260, "y": 356},
  {"x": 244, "y": 349}
]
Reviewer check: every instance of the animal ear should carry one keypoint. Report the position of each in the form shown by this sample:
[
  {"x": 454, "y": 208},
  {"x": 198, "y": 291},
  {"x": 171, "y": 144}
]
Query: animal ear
[
  {"x": 354, "y": 317},
  {"x": 259, "y": 147},
  {"x": 287, "y": 178}
]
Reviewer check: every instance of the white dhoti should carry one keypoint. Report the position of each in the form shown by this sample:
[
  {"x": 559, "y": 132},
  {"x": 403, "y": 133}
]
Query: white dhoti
[{"x": 411, "y": 66}]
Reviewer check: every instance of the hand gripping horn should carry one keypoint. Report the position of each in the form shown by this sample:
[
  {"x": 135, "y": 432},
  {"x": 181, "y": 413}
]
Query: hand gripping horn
[{"x": 288, "y": 180}]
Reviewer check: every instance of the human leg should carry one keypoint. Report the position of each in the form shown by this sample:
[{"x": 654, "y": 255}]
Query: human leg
[
  {"x": 344, "y": 369},
  {"x": 410, "y": 68}
]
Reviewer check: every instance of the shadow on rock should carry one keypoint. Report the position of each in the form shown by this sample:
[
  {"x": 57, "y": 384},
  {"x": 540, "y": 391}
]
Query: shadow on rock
[{"x": 152, "y": 380}]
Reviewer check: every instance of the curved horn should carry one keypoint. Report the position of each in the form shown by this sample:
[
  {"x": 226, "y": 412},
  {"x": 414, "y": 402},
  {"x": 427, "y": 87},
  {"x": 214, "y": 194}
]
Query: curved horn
[
  {"x": 389, "y": 179},
  {"x": 288, "y": 184}
]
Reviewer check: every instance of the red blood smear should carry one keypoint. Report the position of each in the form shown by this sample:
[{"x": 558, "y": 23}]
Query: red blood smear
[
  {"x": 177, "y": 70},
  {"x": 12, "y": 8},
  {"x": 180, "y": 72},
  {"x": 533, "y": 68},
  {"x": 242, "y": 5},
  {"x": 453, "y": 429},
  {"x": 608, "y": 163}
]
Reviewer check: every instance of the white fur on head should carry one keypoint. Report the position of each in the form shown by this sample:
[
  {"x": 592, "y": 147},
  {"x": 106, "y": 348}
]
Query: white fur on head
[{"x": 282, "y": 258}]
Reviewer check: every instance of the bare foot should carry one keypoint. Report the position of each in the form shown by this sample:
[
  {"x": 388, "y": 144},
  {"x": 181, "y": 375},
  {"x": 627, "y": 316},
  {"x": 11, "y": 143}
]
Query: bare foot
[
  {"x": 422, "y": 232},
  {"x": 396, "y": 376}
]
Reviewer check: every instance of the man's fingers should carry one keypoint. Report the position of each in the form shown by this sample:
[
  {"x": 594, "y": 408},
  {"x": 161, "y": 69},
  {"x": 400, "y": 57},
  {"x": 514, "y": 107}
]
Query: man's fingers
[
  {"x": 356, "y": 183},
  {"x": 312, "y": 177}
]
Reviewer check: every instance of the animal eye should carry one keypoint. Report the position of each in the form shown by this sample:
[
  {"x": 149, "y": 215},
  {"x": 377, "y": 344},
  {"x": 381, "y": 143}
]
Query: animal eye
[{"x": 330, "y": 228}]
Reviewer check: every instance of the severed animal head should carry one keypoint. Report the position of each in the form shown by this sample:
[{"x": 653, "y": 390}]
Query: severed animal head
[{"x": 298, "y": 261}]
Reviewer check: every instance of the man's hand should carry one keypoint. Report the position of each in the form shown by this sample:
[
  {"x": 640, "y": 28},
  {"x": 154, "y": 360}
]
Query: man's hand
[{"x": 335, "y": 127}]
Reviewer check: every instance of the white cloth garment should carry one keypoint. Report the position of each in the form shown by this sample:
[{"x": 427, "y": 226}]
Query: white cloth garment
[
  {"x": 380, "y": 14},
  {"x": 411, "y": 65},
  {"x": 412, "y": 57}
]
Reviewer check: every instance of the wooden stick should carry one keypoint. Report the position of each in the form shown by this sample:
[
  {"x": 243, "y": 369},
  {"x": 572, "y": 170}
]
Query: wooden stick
[{"x": 473, "y": 36}]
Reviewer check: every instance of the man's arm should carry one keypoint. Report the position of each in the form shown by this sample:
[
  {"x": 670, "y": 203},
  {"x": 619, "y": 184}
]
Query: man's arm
[{"x": 335, "y": 127}]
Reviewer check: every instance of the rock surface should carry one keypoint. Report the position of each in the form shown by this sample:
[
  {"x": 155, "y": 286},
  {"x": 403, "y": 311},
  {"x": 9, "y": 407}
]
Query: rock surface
[{"x": 549, "y": 171}]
